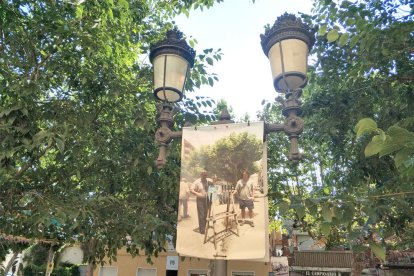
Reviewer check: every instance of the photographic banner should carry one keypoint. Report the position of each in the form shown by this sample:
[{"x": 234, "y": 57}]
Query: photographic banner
[{"x": 223, "y": 207}]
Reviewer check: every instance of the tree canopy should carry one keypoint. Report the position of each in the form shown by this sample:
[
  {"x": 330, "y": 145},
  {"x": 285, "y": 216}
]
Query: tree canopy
[
  {"x": 77, "y": 120},
  {"x": 363, "y": 69}
]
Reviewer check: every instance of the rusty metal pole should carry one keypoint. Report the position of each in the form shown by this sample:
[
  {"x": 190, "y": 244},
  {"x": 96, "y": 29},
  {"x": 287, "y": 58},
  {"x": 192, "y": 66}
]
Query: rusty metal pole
[{"x": 220, "y": 268}]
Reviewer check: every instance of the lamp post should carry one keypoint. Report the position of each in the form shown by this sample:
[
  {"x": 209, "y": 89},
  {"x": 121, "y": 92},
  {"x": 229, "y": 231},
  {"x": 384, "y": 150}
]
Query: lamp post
[
  {"x": 287, "y": 44},
  {"x": 172, "y": 58}
]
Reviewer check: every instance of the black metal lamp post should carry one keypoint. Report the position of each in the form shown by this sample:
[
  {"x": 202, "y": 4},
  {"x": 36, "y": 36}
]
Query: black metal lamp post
[
  {"x": 287, "y": 44},
  {"x": 172, "y": 58}
]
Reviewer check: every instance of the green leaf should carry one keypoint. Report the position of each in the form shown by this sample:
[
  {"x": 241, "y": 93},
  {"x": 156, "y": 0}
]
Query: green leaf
[
  {"x": 325, "y": 228},
  {"x": 350, "y": 21},
  {"x": 378, "y": 250},
  {"x": 124, "y": 4},
  {"x": 397, "y": 139},
  {"x": 108, "y": 50},
  {"x": 60, "y": 144},
  {"x": 40, "y": 135},
  {"x": 110, "y": 14},
  {"x": 8, "y": 111},
  {"x": 322, "y": 30},
  {"x": 385, "y": 51},
  {"x": 191, "y": 42},
  {"x": 347, "y": 216},
  {"x": 374, "y": 146},
  {"x": 402, "y": 157},
  {"x": 333, "y": 35},
  {"x": 209, "y": 60},
  {"x": 24, "y": 111},
  {"x": 210, "y": 81},
  {"x": 337, "y": 213},
  {"x": 79, "y": 11},
  {"x": 283, "y": 207},
  {"x": 136, "y": 161},
  {"x": 366, "y": 125},
  {"x": 343, "y": 39},
  {"x": 313, "y": 210},
  {"x": 354, "y": 41},
  {"x": 315, "y": 200},
  {"x": 309, "y": 203},
  {"x": 300, "y": 211},
  {"x": 149, "y": 170},
  {"x": 327, "y": 213},
  {"x": 402, "y": 134}
]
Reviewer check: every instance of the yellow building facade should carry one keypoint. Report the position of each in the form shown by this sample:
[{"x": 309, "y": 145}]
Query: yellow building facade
[{"x": 170, "y": 264}]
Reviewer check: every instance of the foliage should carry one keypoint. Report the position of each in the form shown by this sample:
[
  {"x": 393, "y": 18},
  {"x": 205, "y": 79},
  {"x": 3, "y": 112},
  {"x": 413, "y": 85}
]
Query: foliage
[
  {"x": 34, "y": 270},
  {"x": 77, "y": 122},
  {"x": 275, "y": 225},
  {"x": 8, "y": 245},
  {"x": 229, "y": 156},
  {"x": 37, "y": 254},
  {"x": 220, "y": 106},
  {"x": 364, "y": 68},
  {"x": 396, "y": 141}
]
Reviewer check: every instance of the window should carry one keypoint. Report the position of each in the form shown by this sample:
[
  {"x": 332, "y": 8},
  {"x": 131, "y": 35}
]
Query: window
[
  {"x": 242, "y": 274},
  {"x": 197, "y": 273},
  {"x": 108, "y": 271},
  {"x": 146, "y": 272}
]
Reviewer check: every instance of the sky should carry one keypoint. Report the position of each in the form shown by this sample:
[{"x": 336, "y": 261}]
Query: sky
[{"x": 235, "y": 27}]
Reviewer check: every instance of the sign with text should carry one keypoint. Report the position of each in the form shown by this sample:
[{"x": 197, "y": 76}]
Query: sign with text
[
  {"x": 172, "y": 262},
  {"x": 324, "y": 273},
  {"x": 223, "y": 187}
]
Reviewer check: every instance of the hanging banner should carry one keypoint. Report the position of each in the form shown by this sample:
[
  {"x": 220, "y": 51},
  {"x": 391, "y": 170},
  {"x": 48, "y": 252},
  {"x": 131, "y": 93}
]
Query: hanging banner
[{"x": 223, "y": 208}]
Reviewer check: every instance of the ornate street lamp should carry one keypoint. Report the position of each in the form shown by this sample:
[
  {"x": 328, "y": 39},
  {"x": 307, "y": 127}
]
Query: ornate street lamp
[
  {"x": 287, "y": 44},
  {"x": 172, "y": 58}
]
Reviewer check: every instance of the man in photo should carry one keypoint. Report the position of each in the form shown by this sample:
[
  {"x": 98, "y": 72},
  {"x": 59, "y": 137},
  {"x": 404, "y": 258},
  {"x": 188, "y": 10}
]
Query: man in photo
[
  {"x": 245, "y": 190},
  {"x": 200, "y": 190},
  {"x": 183, "y": 199}
]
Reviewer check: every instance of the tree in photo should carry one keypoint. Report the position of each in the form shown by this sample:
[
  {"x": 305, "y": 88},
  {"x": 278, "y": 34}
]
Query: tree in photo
[{"x": 229, "y": 156}]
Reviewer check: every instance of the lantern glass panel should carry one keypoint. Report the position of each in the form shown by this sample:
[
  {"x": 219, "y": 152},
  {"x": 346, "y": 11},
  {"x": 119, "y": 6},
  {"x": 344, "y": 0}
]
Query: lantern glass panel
[
  {"x": 295, "y": 59},
  {"x": 169, "y": 77}
]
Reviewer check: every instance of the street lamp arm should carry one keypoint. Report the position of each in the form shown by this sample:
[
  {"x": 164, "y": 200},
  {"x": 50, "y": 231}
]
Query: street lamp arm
[
  {"x": 273, "y": 127},
  {"x": 176, "y": 134}
]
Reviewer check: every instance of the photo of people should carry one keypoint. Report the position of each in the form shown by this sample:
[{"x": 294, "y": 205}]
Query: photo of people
[{"x": 223, "y": 188}]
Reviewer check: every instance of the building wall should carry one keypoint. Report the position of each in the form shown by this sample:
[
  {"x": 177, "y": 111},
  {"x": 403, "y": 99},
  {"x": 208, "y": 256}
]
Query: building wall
[
  {"x": 72, "y": 255},
  {"x": 128, "y": 266}
]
